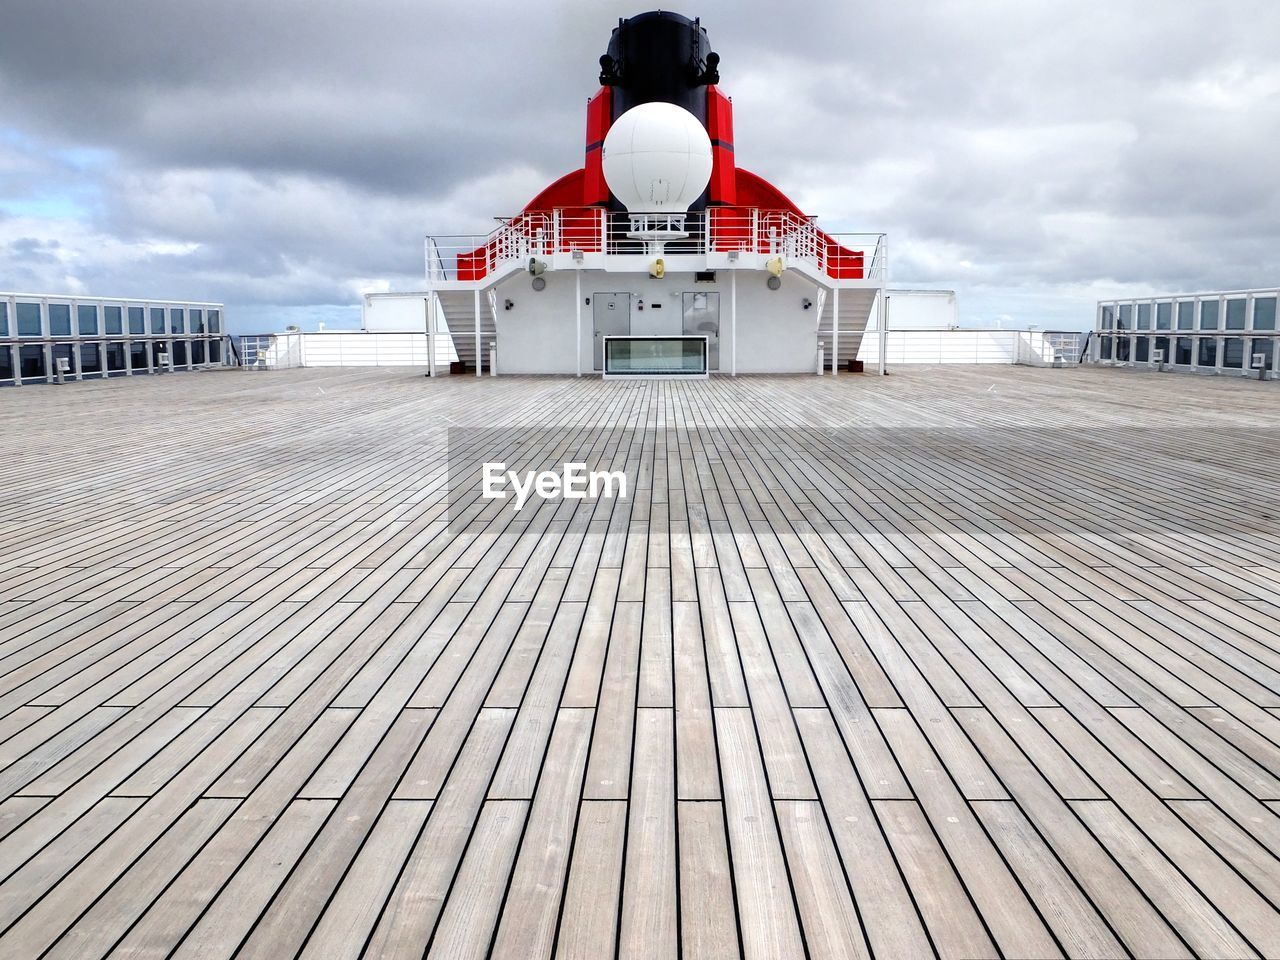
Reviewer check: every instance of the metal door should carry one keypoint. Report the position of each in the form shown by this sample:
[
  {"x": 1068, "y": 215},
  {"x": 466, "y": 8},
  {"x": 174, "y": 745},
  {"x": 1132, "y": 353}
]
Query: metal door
[
  {"x": 611, "y": 316},
  {"x": 702, "y": 318}
]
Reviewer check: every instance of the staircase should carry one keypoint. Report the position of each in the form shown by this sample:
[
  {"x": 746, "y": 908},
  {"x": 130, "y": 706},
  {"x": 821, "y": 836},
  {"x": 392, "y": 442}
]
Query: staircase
[
  {"x": 458, "y": 307},
  {"x": 855, "y": 311}
]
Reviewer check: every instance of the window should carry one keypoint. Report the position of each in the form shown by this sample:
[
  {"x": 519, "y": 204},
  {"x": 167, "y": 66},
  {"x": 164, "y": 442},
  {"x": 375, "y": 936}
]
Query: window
[
  {"x": 1164, "y": 316},
  {"x": 1144, "y": 316},
  {"x": 90, "y": 358},
  {"x": 114, "y": 321},
  {"x": 1122, "y": 350},
  {"x": 1235, "y": 314},
  {"x": 4, "y": 324},
  {"x": 1264, "y": 313},
  {"x": 31, "y": 359},
  {"x": 1108, "y": 318},
  {"x": 1126, "y": 317},
  {"x": 1208, "y": 352},
  {"x": 1162, "y": 344},
  {"x": 59, "y": 319},
  {"x": 137, "y": 321},
  {"x": 1182, "y": 353},
  {"x": 177, "y": 322},
  {"x": 1187, "y": 315},
  {"x": 6, "y": 361},
  {"x": 87, "y": 319},
  {"x": 157, "y": 320},
  {"x": 138, "y": 355},
  {"x": 1233, "y": 352},
  {"x": 197, "y": 321},
  {"x": 29, "y": 321},
  {"x": 1209, "y": 315},
  {"x": 1142, "y": 350},
  {"x": 215, "y": 318},
  {"x": 179, "y": 353},
  {"x": 1106, "y": 348}
]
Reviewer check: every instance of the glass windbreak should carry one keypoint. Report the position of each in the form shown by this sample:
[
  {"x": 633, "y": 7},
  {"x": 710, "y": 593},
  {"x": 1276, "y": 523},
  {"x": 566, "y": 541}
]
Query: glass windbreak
[
  {"x": 1265, "y": 348},
  {"x": 1186, "y": 315},
  {"x": 59, "y": 319},
  {"x": 197, "y": 321},
  {"x": 1209, "y": 315},
  {"x": 115, "y": 357},
  {"x": 1233, "y": 352},
  {"x": 1106, "y": 348},
  {"x": 1264, "y": 313},
  {"x": 6, "y": 363},
  {"x": 113, "y": 320},
  {"x": 1235, "y": 314},
  {"x": 137, "y": 321},
  {"x": 1208, "y": 352},
  {"x": 157, "y": 319},
  {"x": 1182, "y": 353},
  {"x": 655, "y": 356},
  {"x": 177, "y": 321},
  {"x": 4, "y": 320},
  {"x": 90, "y": 358},
  {"x": 1164, "y": 316},
  {"x": 138, "y": 356},
  {"x": 1144, "y": 316},
  {"x": 215, "y": 321},
  {"x": 1162, "y": 345},
  {"x": 1125, "y": 317},
  {"x": 87, "y": 319},
  {"x": 1122, "y": 349},
  {"x": 32, "y": 363},
  {"x": 29, "y": 320},
  {"x": 1108, "y": 318},
  {"x": 1142, "y": 349}
]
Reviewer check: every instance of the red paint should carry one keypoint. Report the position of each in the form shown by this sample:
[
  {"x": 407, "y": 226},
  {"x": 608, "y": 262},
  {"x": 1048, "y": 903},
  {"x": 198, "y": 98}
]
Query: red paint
[
  {"x": 599, "y": 118},
  {"x": 723, "y": 189}
]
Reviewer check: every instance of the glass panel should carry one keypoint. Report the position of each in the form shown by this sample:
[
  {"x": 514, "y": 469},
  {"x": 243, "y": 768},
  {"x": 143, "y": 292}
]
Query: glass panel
[
  {"x": 215, "y": 351},
  {"x": 1186, "y": 315},
  {"x": 1142, "y": 349},
  {"x": 1106, "y": 348},
  {"x": 115, "y": 357},
  {"x": 159, "y": 353},
  {"x": 1236, "y": 314},
  {"x": 6, "y": 362},
  {"x": 197, "y": 351},
  {"x": 1233, "y": 352},
  {"x": 1122, "y": 349},
  {"x": 655, "y": 355},
  {"x": 90, "y": 358},
  {"x": 1162, "y": 344},
  {"x": 59, "y": 319},
  {"x": 1266, "y": 347},
  {"x": 177, "y": 321},
  {"x": 1164, "y": 316},
  {"x": 87, "y": 319},
  {"x": 197, "y": 321},
  {"x": 32, "y": 361},
  {"x": 1208, "y": 314},
  {"x": 157, "y": 319},
  {"x": 4, "y": 323},
  {"x": 215, "y": 320},
  {"x": 1264, "y": 313},
  {"x": 62, "y": 351},
  {"x": 1108, "y": 318},
  {"x": 113, "y": 320},
  {"x": 1144, "y": 316},
  {"x": 138, "y": 356},
  {"x": 179, "y": 353},
  {"x": 1182, "y": 355},
  {"x": 1126, "y": 317},
  {"x": 137, "y": 321},
  {"x": 29, "y": 322},
  {"x": 1208, "y": 352}
]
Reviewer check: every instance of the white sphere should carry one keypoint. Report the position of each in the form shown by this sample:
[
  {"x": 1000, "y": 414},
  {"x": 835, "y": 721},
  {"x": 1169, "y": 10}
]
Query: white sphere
[{"x": 657, "y": 158}]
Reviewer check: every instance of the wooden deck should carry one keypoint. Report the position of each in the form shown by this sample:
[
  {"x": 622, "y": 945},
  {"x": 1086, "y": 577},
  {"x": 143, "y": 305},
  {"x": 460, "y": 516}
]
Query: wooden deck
[{"x": 989, "y": 664}]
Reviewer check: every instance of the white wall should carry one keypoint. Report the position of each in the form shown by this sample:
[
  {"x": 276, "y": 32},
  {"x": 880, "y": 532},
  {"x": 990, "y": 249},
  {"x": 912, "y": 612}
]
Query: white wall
[
  {"x": 957, "y": 346},
  {"x": 394, "y": 312},
  {"x": 775, "y": 333},
  {"x": 919, "y": 310},
  {"x": 332, "y": 348}
]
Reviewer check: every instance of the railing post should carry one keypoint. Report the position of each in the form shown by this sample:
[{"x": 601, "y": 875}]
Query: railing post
[
  {"x": 884, "y": 328},
  {"x": 477, "y": 321},
  {"x": 835, "y": 332}
]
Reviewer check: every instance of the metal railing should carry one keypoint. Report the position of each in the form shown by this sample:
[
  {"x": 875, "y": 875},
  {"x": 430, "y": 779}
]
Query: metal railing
[
  {"x": 272, "y": 351},
  {"x": 34, "y": 360},
  {"x": 584, "y": 231}
]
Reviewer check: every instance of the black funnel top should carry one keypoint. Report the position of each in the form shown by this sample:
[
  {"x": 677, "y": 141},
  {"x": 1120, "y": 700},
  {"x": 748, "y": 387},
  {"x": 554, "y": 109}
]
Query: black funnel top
[{"x": 659, "y": 56}]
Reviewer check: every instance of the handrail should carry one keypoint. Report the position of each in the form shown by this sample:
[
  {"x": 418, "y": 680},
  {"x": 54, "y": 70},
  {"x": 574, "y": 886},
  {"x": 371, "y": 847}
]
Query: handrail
[{"x": 590, "y": 230}]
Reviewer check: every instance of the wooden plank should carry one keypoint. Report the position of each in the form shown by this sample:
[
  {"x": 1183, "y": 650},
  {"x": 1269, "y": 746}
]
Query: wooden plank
[
  {"x": 708, "y": 924},
  {"x": 589, "y": 919},
  {"x": 648, "y": 926}
]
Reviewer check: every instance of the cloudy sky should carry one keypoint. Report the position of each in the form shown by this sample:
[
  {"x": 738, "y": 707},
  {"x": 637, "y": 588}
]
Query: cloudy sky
[{"x": 284, "y": 156}]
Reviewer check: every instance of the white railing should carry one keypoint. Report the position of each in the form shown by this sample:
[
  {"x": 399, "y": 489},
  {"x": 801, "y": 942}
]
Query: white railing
[
  {"x": 272, "y": 351},
  {"x": 584, "y": 231},
  {"x": 1027, "y": 347}
]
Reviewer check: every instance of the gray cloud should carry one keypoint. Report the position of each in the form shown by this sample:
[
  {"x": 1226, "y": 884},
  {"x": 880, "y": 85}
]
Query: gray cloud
[{"x": 285, "y": 154}]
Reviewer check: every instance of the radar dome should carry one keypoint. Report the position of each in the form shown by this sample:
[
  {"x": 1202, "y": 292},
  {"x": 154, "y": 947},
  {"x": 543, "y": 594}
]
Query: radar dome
[{"x": 657, "y": 159}]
